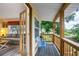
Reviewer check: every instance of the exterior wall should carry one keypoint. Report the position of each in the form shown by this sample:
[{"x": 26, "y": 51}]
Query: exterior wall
[{"x": 34, "y": 44}]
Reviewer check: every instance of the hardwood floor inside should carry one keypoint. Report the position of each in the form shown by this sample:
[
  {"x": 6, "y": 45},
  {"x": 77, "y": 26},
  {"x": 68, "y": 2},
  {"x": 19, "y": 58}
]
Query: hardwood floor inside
[{"x": 10, "y": 50}]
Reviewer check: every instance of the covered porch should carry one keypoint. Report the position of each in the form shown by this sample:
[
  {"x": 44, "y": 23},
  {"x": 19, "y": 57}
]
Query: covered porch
[
  {"x": 59, "y": 45},
  {"x": 31, "y": 36}
]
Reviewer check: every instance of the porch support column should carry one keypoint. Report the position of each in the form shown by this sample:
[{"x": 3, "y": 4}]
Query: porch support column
[
  {"x": 53, "y": 39},
  {"x": 62, "y": 32},
  {"x": 30, "y": 26}
]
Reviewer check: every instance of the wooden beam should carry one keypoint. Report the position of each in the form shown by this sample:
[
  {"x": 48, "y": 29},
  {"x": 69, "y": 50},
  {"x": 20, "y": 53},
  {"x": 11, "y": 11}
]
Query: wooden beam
[
  {"x": 30, "y": 25},
  {"x": 61, "y": 14},
  {"x": 62, "y": 24},
  {"x": 54, "y": 25},
  {"x": 28, "y": 5},
  {"x": 63, "y": 7},
  {"x": 62, "y": 32}
]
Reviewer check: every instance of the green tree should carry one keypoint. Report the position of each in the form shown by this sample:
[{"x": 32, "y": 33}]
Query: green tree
[
  {"x": 75, "y": 31},
  {"x": 47, "y": 26},
  {"x": 57, "y": 28},
  {"x": 70, "y": 17}
]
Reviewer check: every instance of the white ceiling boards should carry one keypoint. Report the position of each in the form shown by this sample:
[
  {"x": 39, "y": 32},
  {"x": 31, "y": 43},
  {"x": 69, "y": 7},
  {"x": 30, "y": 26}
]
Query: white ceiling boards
[
  {"x": 11, "y": 10},
  {"x": 47, "y": 11}
]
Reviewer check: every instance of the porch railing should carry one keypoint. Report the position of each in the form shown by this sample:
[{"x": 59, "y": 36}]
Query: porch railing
[
  {"x": 47, "y": 37},
  {"x": 69, "y": 48}
]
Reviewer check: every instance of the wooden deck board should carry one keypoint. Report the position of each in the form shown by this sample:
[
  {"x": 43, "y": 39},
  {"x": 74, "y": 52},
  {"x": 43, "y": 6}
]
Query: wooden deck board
[{"x": 49, "y": 50}]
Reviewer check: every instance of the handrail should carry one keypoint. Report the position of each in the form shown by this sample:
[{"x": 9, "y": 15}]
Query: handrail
[
  {"x": 47, "y": 37},
  {"x": 68, "y": 45},
  {"x": 75, "y": 44},
  {"x": 72, "y": 45},
  {"x": 46, "y": 34}
]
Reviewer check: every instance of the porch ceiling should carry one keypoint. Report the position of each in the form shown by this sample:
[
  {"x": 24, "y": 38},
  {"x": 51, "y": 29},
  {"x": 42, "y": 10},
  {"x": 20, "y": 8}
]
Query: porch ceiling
[{"x": 47, "y": 11}]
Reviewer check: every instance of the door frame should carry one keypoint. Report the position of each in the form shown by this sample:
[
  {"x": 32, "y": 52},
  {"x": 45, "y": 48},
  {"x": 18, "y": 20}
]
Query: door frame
[
  {"x": 30, "y": 30},
  {"x": 21, "y": 37},
  {"x": 30, "y": 26}
]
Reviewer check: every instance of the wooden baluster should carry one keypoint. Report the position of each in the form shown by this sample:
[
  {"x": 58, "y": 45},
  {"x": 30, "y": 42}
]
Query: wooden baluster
[
  {"x": 72, "y": 51},
  {"x": 76, "y": 52},
  {"x": 67, "y": 49}
]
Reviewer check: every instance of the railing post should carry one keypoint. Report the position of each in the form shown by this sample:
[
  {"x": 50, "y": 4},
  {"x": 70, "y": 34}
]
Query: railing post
[
  {"x": 60, "y": 14},
  {"x": 76, "y": 52},
  {"x": 62, "y": 32}
]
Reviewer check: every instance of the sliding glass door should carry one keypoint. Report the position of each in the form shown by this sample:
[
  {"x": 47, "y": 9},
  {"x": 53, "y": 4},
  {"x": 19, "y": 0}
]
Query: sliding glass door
[{"x": 23, "y": 33}]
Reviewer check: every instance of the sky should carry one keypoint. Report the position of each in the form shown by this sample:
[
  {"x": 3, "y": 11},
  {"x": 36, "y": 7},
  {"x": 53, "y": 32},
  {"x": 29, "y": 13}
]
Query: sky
[{"x": 70, "y": 24}]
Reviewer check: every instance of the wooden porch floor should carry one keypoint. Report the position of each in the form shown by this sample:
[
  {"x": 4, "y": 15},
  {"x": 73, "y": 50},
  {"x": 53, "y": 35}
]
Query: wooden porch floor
[{"x": 49, "y": 50}]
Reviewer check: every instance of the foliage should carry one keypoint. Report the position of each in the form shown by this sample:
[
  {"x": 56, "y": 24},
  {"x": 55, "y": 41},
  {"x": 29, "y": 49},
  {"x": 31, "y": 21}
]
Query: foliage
[
  {"x": 57, "y": 28},
  {"x": 75, "y": 31},
  {"x": 47, "y": 26},
  {"x": 70, "y": 17},
  {"x": 66, "y": 33}
]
